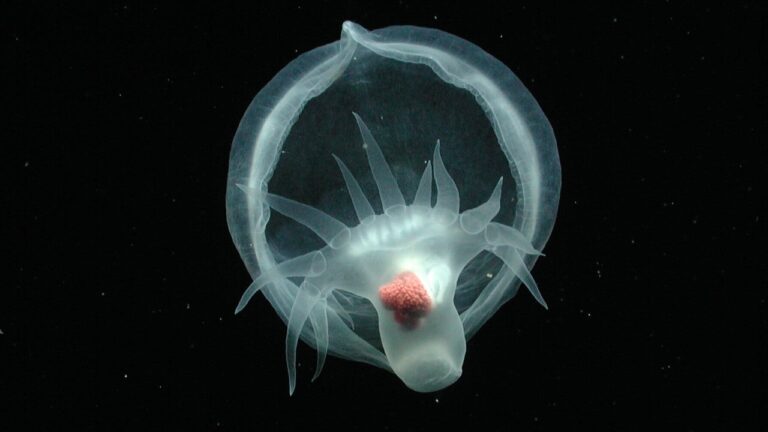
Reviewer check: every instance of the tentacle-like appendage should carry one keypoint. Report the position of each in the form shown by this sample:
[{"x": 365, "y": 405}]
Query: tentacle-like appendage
[
  {"x": 340, "y": 310},
  {"x": 252, "y": 289},
  {"x": 319, "y": 321},
  {"x": 514, "y": 261},
  {"x": 359, "y": 201},
  {"x": 473, "y": 221},
  {"x": 447, "y": 192},
  {"x": 326, "y": 227},
  {"x": 389, "y": 192},
  {"x": 497, "y": 234},
  {"x": 424, "y": 192},
  {"x": 311, "y": 264},
  {"x": 306, "y": 299}
]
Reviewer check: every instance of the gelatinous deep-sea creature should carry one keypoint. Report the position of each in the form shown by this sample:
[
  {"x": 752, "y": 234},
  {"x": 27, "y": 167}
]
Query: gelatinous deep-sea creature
[{"x": 388, "y": 193}]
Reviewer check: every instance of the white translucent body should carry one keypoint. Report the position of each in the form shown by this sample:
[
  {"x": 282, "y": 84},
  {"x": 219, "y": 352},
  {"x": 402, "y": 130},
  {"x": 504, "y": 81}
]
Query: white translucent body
[{"x": 435, "y": 242}]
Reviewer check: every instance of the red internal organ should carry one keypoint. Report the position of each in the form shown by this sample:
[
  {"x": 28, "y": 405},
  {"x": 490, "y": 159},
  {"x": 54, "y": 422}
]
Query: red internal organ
[{"x": 406, "y": 296}]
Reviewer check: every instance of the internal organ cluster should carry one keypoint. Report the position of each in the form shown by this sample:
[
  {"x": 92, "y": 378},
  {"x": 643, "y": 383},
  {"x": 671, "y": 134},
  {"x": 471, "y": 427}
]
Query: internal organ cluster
[{"x": 406, "y": 296}]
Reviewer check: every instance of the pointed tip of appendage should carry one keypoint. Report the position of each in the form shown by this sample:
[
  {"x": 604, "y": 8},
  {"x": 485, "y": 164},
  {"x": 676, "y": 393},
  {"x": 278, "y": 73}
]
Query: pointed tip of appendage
[
  {"x": 544, "y": 304},
  {"x": 241, "y": 304}
]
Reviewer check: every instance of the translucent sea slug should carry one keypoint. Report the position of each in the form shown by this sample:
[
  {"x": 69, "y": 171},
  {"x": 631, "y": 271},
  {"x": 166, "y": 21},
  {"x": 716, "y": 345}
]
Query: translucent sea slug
[{"x": 400, "y": 282}]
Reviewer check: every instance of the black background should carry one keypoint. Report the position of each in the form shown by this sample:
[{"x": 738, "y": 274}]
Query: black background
[{"x": 117, "y": 312}]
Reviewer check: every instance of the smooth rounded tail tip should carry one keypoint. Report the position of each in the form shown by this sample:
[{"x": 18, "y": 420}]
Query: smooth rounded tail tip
[
  {"x": 428, "y": 371},
  {"x": 431, "y": 375}
]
